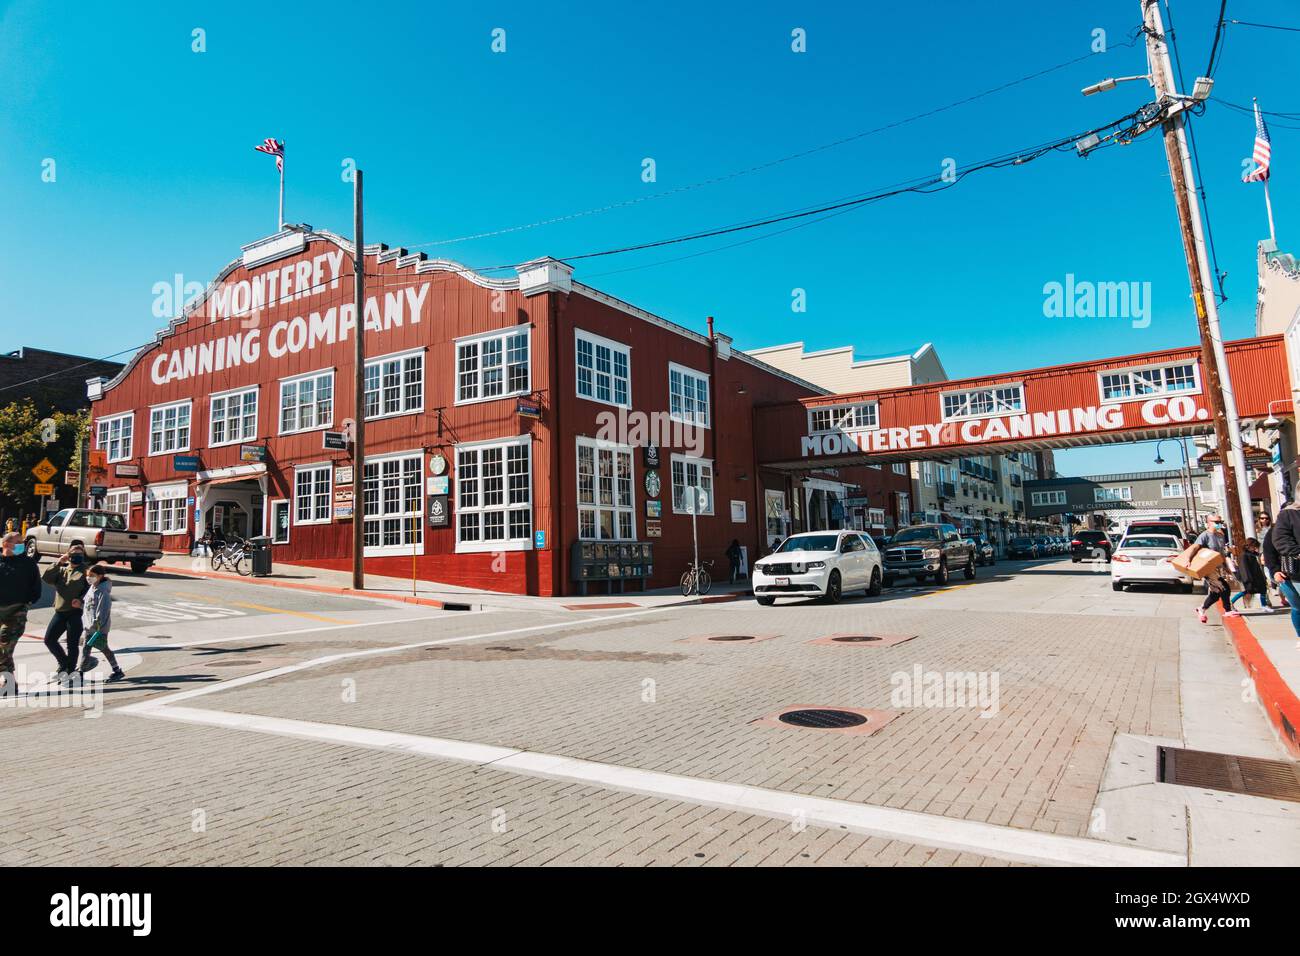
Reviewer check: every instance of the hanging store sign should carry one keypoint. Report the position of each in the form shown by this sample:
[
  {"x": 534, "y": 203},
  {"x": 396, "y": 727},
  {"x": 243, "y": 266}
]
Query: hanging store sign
[
  {"x": 126, "y": 471},
  {"x": 249, "y": 453},
  {"x": 439, "y": 511}
]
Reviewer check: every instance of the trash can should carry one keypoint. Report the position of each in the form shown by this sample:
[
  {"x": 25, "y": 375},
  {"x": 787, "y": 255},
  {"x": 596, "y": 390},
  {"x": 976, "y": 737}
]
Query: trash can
[{"x": 260, "y": 551}]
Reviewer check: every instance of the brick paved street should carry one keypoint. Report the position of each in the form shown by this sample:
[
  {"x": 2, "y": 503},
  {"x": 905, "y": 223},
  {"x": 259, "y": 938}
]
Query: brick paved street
[{"x": 1077, "y": 667}]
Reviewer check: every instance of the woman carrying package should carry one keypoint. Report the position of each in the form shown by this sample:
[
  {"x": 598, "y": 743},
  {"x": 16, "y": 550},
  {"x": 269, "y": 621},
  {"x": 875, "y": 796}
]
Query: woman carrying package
[{"x": 1218, "y": 582}]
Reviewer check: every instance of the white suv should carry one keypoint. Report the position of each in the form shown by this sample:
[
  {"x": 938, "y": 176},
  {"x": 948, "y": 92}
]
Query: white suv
[{"x": 822, "y": 564}]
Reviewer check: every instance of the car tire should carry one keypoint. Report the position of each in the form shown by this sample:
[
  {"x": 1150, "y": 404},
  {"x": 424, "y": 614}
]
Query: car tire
[
  {"x": 140, "y": 567},
  {"x": 32, "y": 551},
  {"x": 874, "y": 588},
  {"x": 970, "y": 569},
  {"x": 1074, "y": 560},
  {"x": 1116, "y": 585},
  {"x": 834, "y": 590},
  {"x": 765, "y": 601},
  {"x": 941, "y": 576}
]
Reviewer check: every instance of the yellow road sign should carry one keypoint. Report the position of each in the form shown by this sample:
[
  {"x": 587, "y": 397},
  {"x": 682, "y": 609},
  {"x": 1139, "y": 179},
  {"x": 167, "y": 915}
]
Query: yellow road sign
[
  {"x": 44, "y": 490},
  {"x": 44, "y": 470}
]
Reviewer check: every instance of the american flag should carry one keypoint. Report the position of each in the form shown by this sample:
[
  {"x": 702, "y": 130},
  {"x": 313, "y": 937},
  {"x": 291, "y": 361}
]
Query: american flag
[
  {"x": 1263, "y": 151},
  {"x": 275, "y": 148}
]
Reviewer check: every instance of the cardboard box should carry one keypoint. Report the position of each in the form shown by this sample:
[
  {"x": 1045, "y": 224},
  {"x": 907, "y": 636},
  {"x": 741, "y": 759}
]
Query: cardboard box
[{"x": 1197, "y": 563}]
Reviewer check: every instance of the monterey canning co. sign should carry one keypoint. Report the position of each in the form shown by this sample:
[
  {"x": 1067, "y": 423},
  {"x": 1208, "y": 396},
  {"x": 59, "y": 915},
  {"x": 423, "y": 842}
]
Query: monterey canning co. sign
[{"x": 244, "y": 301}]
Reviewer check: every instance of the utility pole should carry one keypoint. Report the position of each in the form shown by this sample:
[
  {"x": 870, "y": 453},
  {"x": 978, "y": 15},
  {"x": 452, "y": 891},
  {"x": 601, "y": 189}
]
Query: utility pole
[
  {"x": 1214, "y": 363},
  {"x": 359, "y": 405}
]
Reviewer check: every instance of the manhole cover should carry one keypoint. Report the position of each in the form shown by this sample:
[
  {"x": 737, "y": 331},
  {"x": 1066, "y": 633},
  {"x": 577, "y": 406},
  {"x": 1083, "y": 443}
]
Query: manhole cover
[
  {"x": 854, "y": 639},
  {"x": 1276, "y": 779},
  {"x": 733, "y": 637},
  {"x": 232, "y": 663},
  {"x": 823, "y": 719}
]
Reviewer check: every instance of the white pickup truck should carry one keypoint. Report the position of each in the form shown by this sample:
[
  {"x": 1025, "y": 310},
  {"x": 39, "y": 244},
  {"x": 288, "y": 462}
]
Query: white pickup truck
[{"x": 103, "y": 534}]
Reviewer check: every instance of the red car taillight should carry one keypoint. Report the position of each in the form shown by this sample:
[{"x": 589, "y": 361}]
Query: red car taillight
[
  {"x": 1121, "y": 557},
  {"x": 1076, "y": 543},
  {"x": 99, "y": 538}
]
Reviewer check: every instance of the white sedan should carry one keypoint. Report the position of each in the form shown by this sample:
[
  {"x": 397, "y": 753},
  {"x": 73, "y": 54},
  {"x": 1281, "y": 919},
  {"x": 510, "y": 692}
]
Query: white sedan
[
  {"x": 1145, "y": 559},
  {"x": 821, "y": 564}
]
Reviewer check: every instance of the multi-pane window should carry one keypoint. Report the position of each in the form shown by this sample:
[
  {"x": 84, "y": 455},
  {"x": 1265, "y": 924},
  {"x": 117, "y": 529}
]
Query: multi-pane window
[
  {"x": 233, "y": 417},
  {"x": 1154, "y": 380},
  {"x": 832, "y": 418},
  {"x": 1171, "y": 489},
  {"x": 604, "y": 370},
  {"x": 113, "y": 436},
  {"x": 307, "y": 402},
  {"x": 1047, "y": 497},
  {"x": 1112, "y": 494},
  {"x": 690, "y": 475},
  {"x": 395, "y": 385},
  {"x": 493, "y": 366},
  {"x": 165, "y": 510},
  {"x": 981, "y": 402},
  {"x": 900, "y": 468},
  {"x": 119, "y": 500},
  {"x": 605, "y": 490},
  {"x": 169, "y": 428},
  {"x": 394, "y": 502},
  {"x": 494, "y": 509},
  {"x": 688, "y": 395},
  {"x": 311, "y": 494}
]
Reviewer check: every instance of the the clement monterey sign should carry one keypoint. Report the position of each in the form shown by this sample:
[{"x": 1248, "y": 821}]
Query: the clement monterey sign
[{"x": 1061, "y": 421}]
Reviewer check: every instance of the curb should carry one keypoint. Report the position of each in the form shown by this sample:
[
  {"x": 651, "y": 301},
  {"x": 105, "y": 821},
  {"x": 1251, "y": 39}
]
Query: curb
[
  {"x": 320, "y": 589},
  {"x": 1279, "y": 701}
]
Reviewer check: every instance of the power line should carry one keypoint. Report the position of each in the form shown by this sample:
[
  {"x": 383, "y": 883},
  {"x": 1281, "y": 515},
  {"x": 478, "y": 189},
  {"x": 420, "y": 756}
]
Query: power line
[
  {"x": 1264, "y": 26},
  {"x": 1214, "y": 47}
]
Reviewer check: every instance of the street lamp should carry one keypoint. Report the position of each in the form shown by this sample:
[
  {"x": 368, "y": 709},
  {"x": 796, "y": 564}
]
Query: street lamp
[
  {"x": 1189, "y": 490},
  {"x": 1110, "y": 81}
]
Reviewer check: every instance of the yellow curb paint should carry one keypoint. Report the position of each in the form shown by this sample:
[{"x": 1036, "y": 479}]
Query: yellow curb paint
[{"x": 280, "y": 610}]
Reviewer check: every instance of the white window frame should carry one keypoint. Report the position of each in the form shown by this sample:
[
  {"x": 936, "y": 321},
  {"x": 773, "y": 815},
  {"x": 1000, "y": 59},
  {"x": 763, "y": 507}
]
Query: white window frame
[
  {"x": 1040, "y": 499},
  {"x": 1167, "y": 492},
  {"x": 672, "y": 481},
  {"x": 995, "y": 412},
  {"x": 482, "y": 544},
  {"x": 174, "y": 500},
  {"x": 853, "y": 417},
  {"x": 225, "y": 398},
  {"x": 1123, "y": 493},
  {"x": 313, "y": 467},
  {"x": 296, "y": 381},
  {"x": 188, "y": 405},
  {"x": 1136, "y": 396},
  {"x": 927, "y": 472},
  {"x": 122, "y": 495},
  {"x": 615, "y": 510},
  {"x": 478, "y": 340},
  {"x": 407, "y": 520},
  {"x": 596, "y": 341},
  {"x": 677, "y": 401},
  {"x": 400, "y": 357},
  {"x": 104, "y": 442}
]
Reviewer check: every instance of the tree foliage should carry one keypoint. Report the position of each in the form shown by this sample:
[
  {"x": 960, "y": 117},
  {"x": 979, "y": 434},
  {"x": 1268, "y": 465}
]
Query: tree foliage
[{"x": 22, "y": 446}]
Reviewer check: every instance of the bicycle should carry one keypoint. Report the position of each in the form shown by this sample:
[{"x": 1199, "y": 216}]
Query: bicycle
[
  {"x": 232, "y": 554},
  {"x": 696, "y": 580}
]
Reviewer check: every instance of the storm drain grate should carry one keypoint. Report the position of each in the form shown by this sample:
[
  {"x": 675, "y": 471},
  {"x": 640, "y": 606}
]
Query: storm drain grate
[
  {"x": 823, "y": 719},
  {"x": 732, "y": 637},
  {"x": 1275, "y": 779},
  {"x": 854, "y": 639}
]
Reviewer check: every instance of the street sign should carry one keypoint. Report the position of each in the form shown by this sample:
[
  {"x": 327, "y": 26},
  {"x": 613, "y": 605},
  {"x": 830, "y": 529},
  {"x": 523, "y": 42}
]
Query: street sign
[
  {"x": 185, "y": 462},
  {"x": 539, "y": 539},
  {"x": 44, "y": 490},
  {"x": 44, "y": 470},
  {"x": 335, "y": 441}
]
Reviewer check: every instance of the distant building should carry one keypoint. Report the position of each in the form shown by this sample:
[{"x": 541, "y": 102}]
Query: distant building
[
  {"x": 54, "y": 381},
  {"x": 1109, "y": 501}
]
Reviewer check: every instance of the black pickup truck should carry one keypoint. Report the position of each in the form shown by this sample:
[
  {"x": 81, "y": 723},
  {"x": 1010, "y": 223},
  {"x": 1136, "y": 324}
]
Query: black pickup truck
[{"x": 928, "y": 551}]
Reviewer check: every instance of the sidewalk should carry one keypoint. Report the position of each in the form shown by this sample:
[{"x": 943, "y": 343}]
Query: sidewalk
[
  {"x": 434, "y": 594},
  {"x": 1269, "y": 650}
]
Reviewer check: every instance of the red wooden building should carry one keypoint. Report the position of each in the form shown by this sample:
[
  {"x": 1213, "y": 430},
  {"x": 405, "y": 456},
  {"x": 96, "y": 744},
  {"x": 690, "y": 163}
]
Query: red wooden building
[{"x": 516, "y": 428}]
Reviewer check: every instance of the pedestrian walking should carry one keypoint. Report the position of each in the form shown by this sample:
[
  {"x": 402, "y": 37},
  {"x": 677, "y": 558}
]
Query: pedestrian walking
[
  {"x": 734, "y": 555},
  {"x": 68, "y": 578},
  {"x": 20, "y": 588},
  {"x": 1282, "y": 556},
  {"x": 1218, "y": 582},
  {"x": 1250, "y": 571},
  {"x": 97, "y": 618}
]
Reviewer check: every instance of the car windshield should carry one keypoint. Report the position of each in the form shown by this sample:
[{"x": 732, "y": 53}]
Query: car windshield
[
  {"x": 1020, "y": 541},
  {"x": 1154, "y": 529},
  {"x": 1150, "y": 541},
  {"x": 915, "y": 534},
  {"x": 809, "y": 542}
]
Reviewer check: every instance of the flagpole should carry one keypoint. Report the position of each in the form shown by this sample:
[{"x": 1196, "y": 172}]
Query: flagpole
[
  {"x": 1268, "y": 204},
  {"x": 282, "y": 193}
]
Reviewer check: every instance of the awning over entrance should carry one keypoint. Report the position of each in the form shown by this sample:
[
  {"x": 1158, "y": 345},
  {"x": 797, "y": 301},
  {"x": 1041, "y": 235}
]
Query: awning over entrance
[{"x": 220, "y": 476}]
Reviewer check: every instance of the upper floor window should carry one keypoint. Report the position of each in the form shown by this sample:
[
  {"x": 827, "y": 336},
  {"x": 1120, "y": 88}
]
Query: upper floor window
[
  {"x": 233, "y": 417},
  {"x": 832, "y": 418},
  {"x": 688, "y": 395},
  {"x": 113, "y": 436},
  {"x": 1152, "y": 380},
  {"x": 1112, "y": 494},
  {"x": 605, "y": 502},
  {"x": 1047, "y": 497},
  {"x": 604, "y": 369},
  {"x": 984, "y": 402},
  {"x": 169, "y": 428},
  {"x": 692, "y": 476},
  {"x": 395, "y": 385},
  {"x": 1171, "y": 489},
  {"x": 493, "y": 365},
  {"x": 306, "y": 402}
]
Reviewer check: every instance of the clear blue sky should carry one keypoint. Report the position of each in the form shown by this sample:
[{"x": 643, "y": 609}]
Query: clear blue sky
[{"x": 156, "y": 173}]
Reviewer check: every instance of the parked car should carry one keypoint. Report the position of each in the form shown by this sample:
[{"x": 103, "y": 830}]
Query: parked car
[
  {"x": 928, "y": 551},
  {"x": 820, "y": 564},
  {"x": 1022, "y": 548},
  {"x": 1090, "y": 544},
  {"x": 104, "y": 535},
  {"x": 1145, "y": 559},
  {"x": 984, "y": 551}
]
